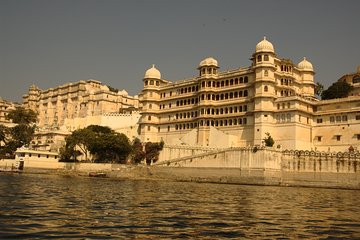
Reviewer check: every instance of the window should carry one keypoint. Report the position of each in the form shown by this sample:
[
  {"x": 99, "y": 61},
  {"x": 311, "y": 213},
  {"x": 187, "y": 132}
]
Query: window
[
  {"x": 149, "y": 118},
  {"x": 319, "y": 138},
  {"x": 344, "y": 118},
  {"x": 266, "y": 73},
  {"x": 332, "y": 119},
  {"x": 358, "y": 136},
  {"x": 338, "y": 137},
  {"x": 266, "y": 89},
  {"x": 338, "y": 118},
  {"x": 259, "y": 58},
  {"x": 319, "y": 120},
  {"x": 357, "y": 117},
  {"x": 266, "y": 57},
  {"x": 148, "y": 128}
]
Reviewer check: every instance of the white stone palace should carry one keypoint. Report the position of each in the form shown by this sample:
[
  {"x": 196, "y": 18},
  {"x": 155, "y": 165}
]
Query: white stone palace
[
  {"x": 236, "y": 108},
  {"x": 71, "y": 106}
]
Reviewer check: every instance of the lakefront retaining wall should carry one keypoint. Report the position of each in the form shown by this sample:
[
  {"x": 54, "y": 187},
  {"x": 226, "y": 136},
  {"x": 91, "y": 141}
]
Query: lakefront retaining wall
[{"x": 261, "y": 166}]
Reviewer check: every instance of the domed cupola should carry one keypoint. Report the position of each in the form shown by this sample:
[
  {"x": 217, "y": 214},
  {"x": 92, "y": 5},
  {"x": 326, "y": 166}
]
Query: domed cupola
[
  {"x": 208, "y": 67},
  {"x": 305, "y": 65},
  {"x": 264, "y": 46},
  {"x": 153, "y": 73},
  {"x": 208, "y": 62}
]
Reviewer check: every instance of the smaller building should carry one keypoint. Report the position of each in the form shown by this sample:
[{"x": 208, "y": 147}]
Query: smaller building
[
  {"x": 354, "y": 80},
  {"x": 37, "y": 159}
]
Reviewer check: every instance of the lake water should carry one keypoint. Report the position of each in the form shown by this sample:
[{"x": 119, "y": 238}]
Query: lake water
[{"x": 46, "y": 207}]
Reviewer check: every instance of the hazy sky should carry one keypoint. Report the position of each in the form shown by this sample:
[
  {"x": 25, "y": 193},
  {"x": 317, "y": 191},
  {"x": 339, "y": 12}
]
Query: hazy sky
[{"x": 49, "y": 43}]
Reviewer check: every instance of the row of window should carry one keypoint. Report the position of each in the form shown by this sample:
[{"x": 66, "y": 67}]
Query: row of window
[
  {"x": 214, "y": 123},
  {"x": 337, "y": 137},
  {"x": 152, "y": 83},
  {"x": 208, "y": 70},
  {"x": 339, "y": 118},
  {"x": 204, "y": 84},
  {"x": 264, "y": 58},
  {"x": 285, "y": 81},
  {"x": 285, "y": 68},
  {"x": 214, "y": 97},
  {"x": 212, "y": 111}
]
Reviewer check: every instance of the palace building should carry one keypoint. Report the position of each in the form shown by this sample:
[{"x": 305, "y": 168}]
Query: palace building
[
  {"x": 72, "y": 106},
  {"x": 236, "y": 108}
]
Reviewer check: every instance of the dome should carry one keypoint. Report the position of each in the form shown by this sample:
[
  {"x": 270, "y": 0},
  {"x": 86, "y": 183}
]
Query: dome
[
  {"x": 305, "y": 65},
  {"x": 264, "y": 46},
  {"x": 153, "y": 73},
  {"x": 208, "y": 62}
]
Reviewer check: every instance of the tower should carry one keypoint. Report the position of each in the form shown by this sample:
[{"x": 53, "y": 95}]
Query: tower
[
  {"x": 150, "y": 107},
  {"x": 264, "y": 89}
]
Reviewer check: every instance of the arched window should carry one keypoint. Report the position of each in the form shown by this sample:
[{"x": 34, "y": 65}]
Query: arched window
[
  {"x": 149, "y": 118},
  {"x": 231, "y": 82},
  {"x": 356, "y": 79},
  {"x": 266, "y": 57},
  {"x": 151, "y": 82},
  {"x": 266, "y": 88},
  {"x": 245, "y": 93},
  {"x": 246, "y": 79},
  {"x": 203, "y": 84},
  {"x": 222, "y": 83},
  {"x": 241, "y": 80},
  {"x": 259, "y": 58},
  {"x": 150, "y": 106},
  {"x": 146, "y": 82},
  {"x": 227, "y": 83},
  {"x": 157, "y": 83},
  {"x": 266, "y": 73},
  {"x": 236, "y": 81}
]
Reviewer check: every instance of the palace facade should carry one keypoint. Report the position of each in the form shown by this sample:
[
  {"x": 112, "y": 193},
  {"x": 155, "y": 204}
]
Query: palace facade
[
  {"x": 71, "y": 106},
  {"x": 238, "y": 107}
]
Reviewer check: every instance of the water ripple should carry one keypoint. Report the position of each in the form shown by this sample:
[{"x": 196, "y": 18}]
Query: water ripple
[{"x": 56, "y": 207}]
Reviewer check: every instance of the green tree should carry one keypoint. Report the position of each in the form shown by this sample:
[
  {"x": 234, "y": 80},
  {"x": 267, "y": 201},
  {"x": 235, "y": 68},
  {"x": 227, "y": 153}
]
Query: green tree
[
  {"x": 319, "y": 88},
  {"x": 21, "y": 115},
  {"x": 152, "y": 151},
  {"x": 20, "y": 135},
  {"x": 100, "y": 143},
  {"x": 137, "y": 153},
  {"x": 338, "y": 89},
  {"x": 269, "y": 141}
]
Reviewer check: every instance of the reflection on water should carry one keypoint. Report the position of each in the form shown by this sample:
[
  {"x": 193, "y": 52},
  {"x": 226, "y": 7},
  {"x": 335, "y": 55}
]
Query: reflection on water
[{"x": 43, "y": 207}]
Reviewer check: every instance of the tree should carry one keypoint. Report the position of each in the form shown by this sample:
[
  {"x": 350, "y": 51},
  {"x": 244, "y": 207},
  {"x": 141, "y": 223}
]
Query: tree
[
  {"x": 319, "y": 88},
  {"x": 338, "y": 89},
  {"x": 152, "y": 151},
  {"x": 137, "y": 153},
  {"x": 21, "y": 115},
  {"x": 100, "y": 143},
  {"x": 20, "y": 135},
  {"x": 269, "y": 141}
]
